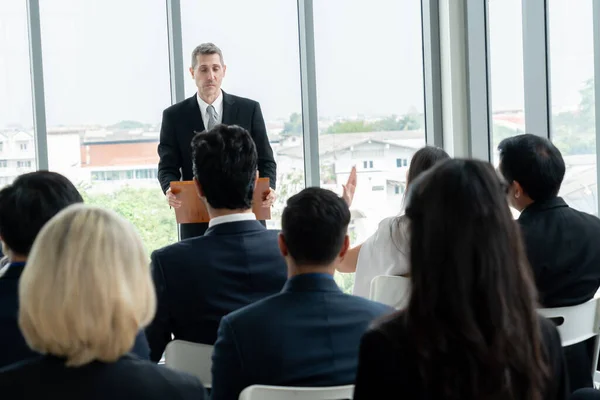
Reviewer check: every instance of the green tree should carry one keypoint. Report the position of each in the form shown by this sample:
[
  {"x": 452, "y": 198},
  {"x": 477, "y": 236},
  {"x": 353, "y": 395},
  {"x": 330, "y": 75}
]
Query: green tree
[
  {"x": 349, "y": 127},
  {"x": 129, "y": 125},
  {"x": 294, "y": 125},
  {"x": 410, "y": 121},
  {"x": 145, "y": 208}
]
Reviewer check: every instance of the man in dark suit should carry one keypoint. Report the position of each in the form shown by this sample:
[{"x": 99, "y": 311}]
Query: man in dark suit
[
  {"x": 237, "y": 261},
  {"x": 561, "y": 243},
  {"x": 309, "y": 334},
  {"x": 209, "y": 107},
  {"x": 25, "y": 207}
]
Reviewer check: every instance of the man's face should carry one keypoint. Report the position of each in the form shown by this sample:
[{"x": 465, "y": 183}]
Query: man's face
[{"x": 208, "y": 75}]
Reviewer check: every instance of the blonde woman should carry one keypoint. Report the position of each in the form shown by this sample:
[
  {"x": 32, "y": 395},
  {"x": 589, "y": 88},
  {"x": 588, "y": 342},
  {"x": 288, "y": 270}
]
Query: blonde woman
[{"x": 84, "y": 295}]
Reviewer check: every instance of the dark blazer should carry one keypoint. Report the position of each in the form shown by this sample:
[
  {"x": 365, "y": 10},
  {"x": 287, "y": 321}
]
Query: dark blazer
[
  {"x": 563, "y": 250},
  {"x": 181, "y": 120},
  {"x": 307, "y": 335},
  {"x": 13, "y": 347},
  {"x": 127, "y": 378},
  {"x": 199, "y": 280},
  {"x": 387, "y": 365}
]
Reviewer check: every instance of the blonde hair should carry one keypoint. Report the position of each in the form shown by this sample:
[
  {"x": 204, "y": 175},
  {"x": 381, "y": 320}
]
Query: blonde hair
[{"x": 86, "y": 290}]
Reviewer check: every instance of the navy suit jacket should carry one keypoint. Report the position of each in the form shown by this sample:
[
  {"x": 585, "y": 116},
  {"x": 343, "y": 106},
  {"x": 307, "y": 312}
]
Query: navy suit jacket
[
  {"x": 307, "y": 335},
  {"x": 201, "y": 279},
  {"x": 13, "y": 347}
]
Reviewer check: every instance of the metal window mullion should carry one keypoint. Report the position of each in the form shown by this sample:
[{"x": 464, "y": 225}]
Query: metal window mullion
[
  {"x": 308, "y": 78},
  {"x": 596, "y": 18},
  {"x": 478, "y": 86},
  {"x": 37, "y": 84},
  {"x": 432, "y": 73},
  {"x": 536, "y": 68},
  {"x": 175, "y": 50}
]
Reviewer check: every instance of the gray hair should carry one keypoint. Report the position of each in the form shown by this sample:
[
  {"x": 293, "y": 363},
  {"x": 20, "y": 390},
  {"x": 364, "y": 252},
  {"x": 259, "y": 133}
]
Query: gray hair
[{"x": 206, "y": 48}]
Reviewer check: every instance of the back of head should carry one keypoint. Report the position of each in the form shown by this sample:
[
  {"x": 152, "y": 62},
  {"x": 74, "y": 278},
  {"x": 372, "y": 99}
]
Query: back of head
[
  {"x": 28, "y": 203},
  {"x": 535, "y": 163},
  {"x": 225, "y": 164},
  {"x": 425, "y": 158},
  {"x": 314, "y": 226},
  {"x": 472, "y": 309},
  {"x": 87, "y": 289}
]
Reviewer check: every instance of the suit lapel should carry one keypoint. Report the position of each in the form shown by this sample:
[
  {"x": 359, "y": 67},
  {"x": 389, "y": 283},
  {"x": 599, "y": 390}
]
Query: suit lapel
[
  {"x": 230, "y": 110},
  {"x": 195, "y": 115}
]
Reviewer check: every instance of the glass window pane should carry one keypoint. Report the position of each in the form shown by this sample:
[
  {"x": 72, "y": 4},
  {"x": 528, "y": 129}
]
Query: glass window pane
[
  {"x": 17, "y": 146},
  {"x": 106, "y": 76},
  {"x": 506, "y": 70},
  {"x": 572, "y": 92},
  {"x": 259, "y": 42}
]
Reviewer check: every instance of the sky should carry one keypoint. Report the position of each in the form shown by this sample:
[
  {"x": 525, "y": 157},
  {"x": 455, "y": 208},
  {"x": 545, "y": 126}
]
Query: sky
[{"x": 107, "y": 60}]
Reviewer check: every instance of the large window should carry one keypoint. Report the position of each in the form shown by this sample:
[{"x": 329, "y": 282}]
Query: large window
[
  {"x": 259, "y": 40},
  {"x": 572, "y": 94},
  {"x": 369, "y": 65},
  {"x": 16, "y": 124},
  {"x": 106, "y": 78},
  {"x": 506, "y": 69}
]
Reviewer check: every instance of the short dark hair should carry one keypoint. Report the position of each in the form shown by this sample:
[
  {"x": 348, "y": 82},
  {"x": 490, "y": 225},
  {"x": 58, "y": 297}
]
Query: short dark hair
[
  {"x": 206, "y": 48},
  {"x": 425, "y": 158},
  {"x": 314, "y": 225},
  {"x": 31, "y": 201},
  {"x": 225, "y": 164},
  {"x": 535, "y": 163}
]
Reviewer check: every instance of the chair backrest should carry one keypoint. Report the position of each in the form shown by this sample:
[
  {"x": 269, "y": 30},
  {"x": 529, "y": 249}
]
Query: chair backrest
[
  {"x": 263, "y": 392},
  {"x": 577, "y": 324},
  {"x": 391, "y": 290},
  {"x": 193, "y": 358}
]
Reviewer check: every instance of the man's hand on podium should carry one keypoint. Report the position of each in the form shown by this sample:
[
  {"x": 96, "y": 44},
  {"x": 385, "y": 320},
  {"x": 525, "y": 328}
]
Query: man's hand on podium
[
  {"x": 269, "y": 198},
  {"x": 172, "y": 199},
  {"x": 350, "y": 187}
]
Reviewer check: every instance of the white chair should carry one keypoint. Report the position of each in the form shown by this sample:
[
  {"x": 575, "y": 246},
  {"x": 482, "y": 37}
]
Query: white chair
[
  {"x": 263, "y": 392},
  {"x": 193, "y": 358},
  {"x": 577, "y": 324},
  {"x": 391, "y": 290}
]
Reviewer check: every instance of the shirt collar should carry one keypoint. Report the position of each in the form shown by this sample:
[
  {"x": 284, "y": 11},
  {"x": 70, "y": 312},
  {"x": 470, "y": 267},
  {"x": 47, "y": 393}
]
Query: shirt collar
[
  {"x": 217, "y": 104},
  {"x": 231, "y": 218}
]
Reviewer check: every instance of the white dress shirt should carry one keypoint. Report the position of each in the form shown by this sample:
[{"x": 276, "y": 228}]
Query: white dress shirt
[
  {"x": 231, "y": 218},
  {"x": 386, "y": 252},
  {"x": 217, "y": 104}
]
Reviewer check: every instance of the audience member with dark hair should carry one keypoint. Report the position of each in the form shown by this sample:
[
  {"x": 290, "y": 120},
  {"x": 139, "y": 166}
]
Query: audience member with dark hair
[
  {"x": 83, "y": 297},
  {"x": 586, "y": 394},
  {"x": 561, "y": 243},
  {"x": 386, "y": 251},
  {"x": 471, "y": 330},
  {"x": 308, "y": 334},
  {"x": 235, "y": 263},
  {"x": 25, "y": 207}
]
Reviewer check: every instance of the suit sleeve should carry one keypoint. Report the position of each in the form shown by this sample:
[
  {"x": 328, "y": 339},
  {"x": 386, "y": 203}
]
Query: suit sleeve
[
  {"x": 169, "y": 163},
  {"x": 378, "y": 373},
  {"x": 228, "y": 380},
  {"x": 159, "y": 331},
  {"x": 267, "y": 168}
]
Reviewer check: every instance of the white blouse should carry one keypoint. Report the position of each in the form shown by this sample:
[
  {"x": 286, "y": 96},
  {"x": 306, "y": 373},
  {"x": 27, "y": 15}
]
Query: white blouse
[{"x": 383, "y": 253}]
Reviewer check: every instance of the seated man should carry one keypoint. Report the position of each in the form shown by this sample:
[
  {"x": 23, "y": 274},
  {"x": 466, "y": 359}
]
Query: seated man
[
  {"x": 309, "y": 334},
  {"x": 561, "y": 243},
  {"x": 25, "y": 207},
  {"x": 235, "y": 263}
]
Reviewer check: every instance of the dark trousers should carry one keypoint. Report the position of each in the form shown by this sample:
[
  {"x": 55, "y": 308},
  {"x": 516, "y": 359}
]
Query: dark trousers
[{"x": 187, "y": 231}]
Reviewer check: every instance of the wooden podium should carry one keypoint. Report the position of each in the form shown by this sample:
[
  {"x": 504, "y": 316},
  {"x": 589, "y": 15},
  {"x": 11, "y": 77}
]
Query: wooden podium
[{"x": 192, "y": 209}]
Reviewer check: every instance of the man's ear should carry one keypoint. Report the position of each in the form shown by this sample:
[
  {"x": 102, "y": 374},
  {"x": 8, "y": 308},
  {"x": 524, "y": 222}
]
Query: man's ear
[
  {"x": 224, "y": 70},
  {"x": 192, "y": 71},
  {"x": 199, "y": 189},
  {"x": 345, "y": 247},
  {"x": 282, "y": 245}
]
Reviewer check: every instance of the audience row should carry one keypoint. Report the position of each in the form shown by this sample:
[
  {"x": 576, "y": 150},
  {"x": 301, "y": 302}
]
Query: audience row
[{"x": 82, "y": 315}]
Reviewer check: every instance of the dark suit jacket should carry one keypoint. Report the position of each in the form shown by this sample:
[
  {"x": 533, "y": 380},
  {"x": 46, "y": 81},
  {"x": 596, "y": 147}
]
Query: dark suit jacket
[
  {"x": 308, "y": 335},
  {"x": 562, "y": 248},
  {"x": 388, "y": 368},
  {"x": 199, "y": 280},
  {"x": 13, "y": 347},
  {"x": 181, "y": 120},
  {"x": 127, "y": 378}
]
